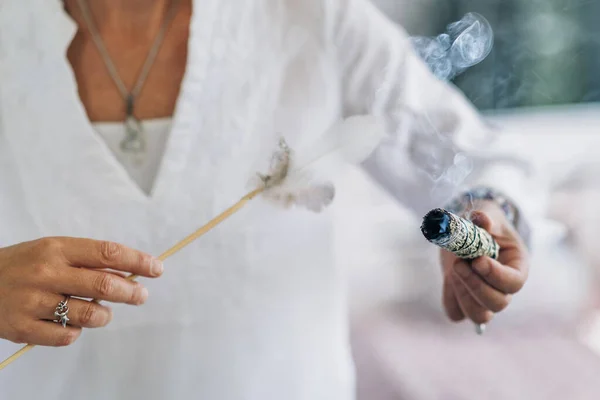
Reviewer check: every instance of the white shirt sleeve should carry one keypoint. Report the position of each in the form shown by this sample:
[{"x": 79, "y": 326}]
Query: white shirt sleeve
[{"x": 437, "y": 144}]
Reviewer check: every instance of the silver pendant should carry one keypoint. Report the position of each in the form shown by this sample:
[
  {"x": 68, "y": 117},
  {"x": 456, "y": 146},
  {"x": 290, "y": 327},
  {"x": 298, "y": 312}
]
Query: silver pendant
[{"x": 134, "y": 141}]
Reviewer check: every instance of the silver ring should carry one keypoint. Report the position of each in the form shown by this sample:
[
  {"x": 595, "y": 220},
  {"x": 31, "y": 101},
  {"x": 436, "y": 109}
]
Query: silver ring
[{"x": 61, "y": 312}]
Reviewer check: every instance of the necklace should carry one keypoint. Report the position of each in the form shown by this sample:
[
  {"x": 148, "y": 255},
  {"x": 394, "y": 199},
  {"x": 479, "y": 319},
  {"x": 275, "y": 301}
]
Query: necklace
[{"x": 134, "y": 141}]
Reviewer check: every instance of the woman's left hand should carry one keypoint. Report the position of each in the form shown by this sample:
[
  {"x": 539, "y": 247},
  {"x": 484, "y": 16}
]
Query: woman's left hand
[{"x": 479, "y": 288}]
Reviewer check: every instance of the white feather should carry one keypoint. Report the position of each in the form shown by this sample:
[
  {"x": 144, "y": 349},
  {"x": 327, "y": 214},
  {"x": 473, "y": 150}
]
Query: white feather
[
  {"x": 314, "y": 196},
  {"x": 351, "y": 141},
  {"x": 299, "y": 177}
]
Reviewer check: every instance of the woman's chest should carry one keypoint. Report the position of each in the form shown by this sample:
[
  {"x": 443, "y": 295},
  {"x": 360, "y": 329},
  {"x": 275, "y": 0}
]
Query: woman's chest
[
  {"x": 248, "y": 81},
  {"x": 241, "y": 91}
]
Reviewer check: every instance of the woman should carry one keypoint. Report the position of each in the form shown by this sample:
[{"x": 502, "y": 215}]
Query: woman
[{"x": 254, "y": 310}]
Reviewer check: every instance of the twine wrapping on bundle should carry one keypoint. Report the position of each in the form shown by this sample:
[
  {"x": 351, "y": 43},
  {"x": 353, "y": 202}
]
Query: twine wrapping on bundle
[{"x": 458, "y": 235}]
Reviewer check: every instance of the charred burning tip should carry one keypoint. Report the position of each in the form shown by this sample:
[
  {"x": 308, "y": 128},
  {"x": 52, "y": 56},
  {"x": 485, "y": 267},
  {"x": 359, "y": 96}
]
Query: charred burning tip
[{"x": 436, "y": 224}]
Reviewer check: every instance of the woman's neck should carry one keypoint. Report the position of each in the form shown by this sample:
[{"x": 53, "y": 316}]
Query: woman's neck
[
  {"x": 123, "y": 17},
  {"x": 128, "y": 28}
]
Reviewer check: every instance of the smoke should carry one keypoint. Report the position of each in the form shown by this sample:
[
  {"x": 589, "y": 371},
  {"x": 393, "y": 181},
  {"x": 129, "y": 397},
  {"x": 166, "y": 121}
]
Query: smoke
[
  {"x": 432, "y": 148},
  {"x": 465, "y": 43},
  {"x": 428, "y": 134}
]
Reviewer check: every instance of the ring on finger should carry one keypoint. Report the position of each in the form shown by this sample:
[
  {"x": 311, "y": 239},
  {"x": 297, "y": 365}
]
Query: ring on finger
[{"x": 61, "y": 312}]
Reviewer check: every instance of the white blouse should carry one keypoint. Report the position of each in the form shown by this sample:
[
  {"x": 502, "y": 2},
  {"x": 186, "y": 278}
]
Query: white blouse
[{"x": 255, "y": 309}]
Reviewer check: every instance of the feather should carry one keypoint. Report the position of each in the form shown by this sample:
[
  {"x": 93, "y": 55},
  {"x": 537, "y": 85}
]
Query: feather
[
  {"x": 299, "y": 178},
  {"x": 350, "y": 141}
]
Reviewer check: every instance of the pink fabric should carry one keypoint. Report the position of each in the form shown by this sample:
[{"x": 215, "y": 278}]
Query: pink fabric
[{"x": 408, "y": 355}]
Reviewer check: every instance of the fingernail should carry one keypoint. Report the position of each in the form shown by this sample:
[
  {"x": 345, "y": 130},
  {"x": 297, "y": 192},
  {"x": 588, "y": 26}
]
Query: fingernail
[
  {"x": 482, "y": 266},
  {"x": 144, "y": 296},
  {"x": 157, "y": 267},
  {"x": 109, "y": 317}
]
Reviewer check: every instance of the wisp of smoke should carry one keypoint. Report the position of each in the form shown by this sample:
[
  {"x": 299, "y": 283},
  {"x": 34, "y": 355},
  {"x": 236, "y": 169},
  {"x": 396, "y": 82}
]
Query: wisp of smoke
[{"x": 465, "y": 43}]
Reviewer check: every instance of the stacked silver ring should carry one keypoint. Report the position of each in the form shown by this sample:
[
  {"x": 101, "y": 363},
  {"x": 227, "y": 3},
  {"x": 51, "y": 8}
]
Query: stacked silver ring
[{"x": 61, "y": 312}]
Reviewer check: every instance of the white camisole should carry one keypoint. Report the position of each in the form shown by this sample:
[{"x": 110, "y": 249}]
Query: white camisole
[{"x": 143, "y": 170}]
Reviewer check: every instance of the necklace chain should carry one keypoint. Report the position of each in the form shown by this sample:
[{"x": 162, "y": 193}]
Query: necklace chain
[
  {"x": 134, "y": 141},
  {"x": 128, "y": 96}
]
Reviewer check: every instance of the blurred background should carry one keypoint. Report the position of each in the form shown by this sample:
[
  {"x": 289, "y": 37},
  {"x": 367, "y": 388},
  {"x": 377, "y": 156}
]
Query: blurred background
[
  {"x": 541, "y": 85},
  {"x": 546, "y": 52}
]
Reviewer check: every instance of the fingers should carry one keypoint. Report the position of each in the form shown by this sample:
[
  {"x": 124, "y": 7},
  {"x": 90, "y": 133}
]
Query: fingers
[
  {"x": 44, "y": 333},
  {"x": 481, "y": 288},
  {"x": 451, "y": 303},
  {"x": 82, "y": 313},
  {"x": 117, "y": 273},
  {"x": 484, "y": 286},
  {"x": 490, "y": 217},
  {"x": 35, "y": 275},
  {"x": 507, "y": 279},
  {"x": 483, "y": 220},
  {"x": 98, "y": 285},
  {"x": 469, "y": 306},
  {"x": 103, "y": 254},
  {"x": 487, "y": 296},
  {"x": 494, "y": 221}
]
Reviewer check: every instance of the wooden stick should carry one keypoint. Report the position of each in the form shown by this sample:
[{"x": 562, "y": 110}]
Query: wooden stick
[
  {"x": 180, "y": 245},
  {"x": 18, "y": 354},
  {"x": 204, "y": 229}
]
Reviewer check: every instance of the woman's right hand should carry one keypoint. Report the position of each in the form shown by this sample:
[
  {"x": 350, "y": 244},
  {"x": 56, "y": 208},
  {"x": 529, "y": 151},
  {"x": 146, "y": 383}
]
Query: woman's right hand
[{"x": 35, "y": 276}]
